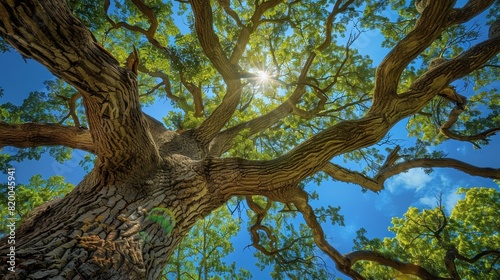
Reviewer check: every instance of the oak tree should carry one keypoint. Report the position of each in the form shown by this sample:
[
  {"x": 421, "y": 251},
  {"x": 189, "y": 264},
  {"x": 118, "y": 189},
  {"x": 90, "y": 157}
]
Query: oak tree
[{"x": 265, "y": 94}]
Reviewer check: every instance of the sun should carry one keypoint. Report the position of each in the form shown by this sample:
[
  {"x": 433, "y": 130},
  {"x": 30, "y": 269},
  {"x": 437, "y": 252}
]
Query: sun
[{"x": 263, "y": 76}]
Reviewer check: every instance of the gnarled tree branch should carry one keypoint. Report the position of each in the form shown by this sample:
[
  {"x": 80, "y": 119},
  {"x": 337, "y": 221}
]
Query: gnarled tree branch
[
  {"x": 439, "y": 162},
  {"x": 478, "y": 256},
  {"x": 72, "y": 108},
  {"x": 389, "y": 169},
  {"x": 33, "y": 135},
  {"x": 29, "y": 135},
  {"x": 453, "y": 118},
  {"x": 212, "y": 48},
  {"x": 380, "y": 258},
  {"x": 343, "y": 264},
  {"x": 470, "y": 10},
  {"x": 428, "y": 27}
]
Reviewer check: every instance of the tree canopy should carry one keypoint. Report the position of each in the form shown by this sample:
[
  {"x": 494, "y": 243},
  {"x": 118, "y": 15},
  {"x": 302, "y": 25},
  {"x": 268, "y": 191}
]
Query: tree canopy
[{"x": 264, "y": 97}]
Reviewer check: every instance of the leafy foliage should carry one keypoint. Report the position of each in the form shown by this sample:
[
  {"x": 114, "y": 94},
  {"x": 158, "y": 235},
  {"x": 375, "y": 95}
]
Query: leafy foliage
[
  {"x": 201, "y": 253},
  {"x": 425, "y": 236},
  {"x": 4, "y": 47},
  {"x": 29, "y": 196}
]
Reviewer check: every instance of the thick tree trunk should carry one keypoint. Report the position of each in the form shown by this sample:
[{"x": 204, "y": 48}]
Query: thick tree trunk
[{"x": 113, "y": 231}]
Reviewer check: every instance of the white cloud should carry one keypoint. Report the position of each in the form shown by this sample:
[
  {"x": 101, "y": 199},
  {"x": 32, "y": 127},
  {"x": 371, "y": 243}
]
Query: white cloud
[
  {"x": 386, "y": 204},
  {"x": 445, "y": 181},
  {"x": 462, "y": 150},
  {"x": 337, "y": 236},
  {"x": 349, "y": 231},
  {"x": 450, "y": 200},
  {"x": 428, "y": 201},
  {"x": 412, "y": 179}
]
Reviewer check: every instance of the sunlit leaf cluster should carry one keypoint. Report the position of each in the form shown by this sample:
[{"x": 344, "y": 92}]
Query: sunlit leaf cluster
[
  {"x": 423, "y": 237},
  {"x": 200, "y": 255},
  {"x": 28, "y": 196}
]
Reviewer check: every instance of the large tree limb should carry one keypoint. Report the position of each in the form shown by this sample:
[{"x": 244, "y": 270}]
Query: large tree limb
[
  {"x": 209, "y": 41},
  {"x": 428, "y": 27},
  {"x": 212, "y": 48},
  {"x": 222, "y": 142},
  {"x": 33, "y": 135},
  {"x": 390, "y": 169},
  {"x": 48, "y": 32},
  {"x": 209, "y": 129},
  {"x": 406, "y": 268},
  {"x": 29, "y": 135},
  {"x": 470, "y": 10}
]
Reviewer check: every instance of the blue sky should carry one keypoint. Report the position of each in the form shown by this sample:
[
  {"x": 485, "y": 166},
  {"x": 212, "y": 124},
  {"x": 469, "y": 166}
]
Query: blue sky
[{"x": 369, "y": 210}]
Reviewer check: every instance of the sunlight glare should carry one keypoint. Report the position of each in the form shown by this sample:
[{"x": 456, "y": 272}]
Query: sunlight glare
[{"x": 263, "y": 76}]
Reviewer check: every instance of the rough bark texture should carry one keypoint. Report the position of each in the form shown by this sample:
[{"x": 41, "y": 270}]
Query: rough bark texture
[{"x": 104, "y": 230}]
